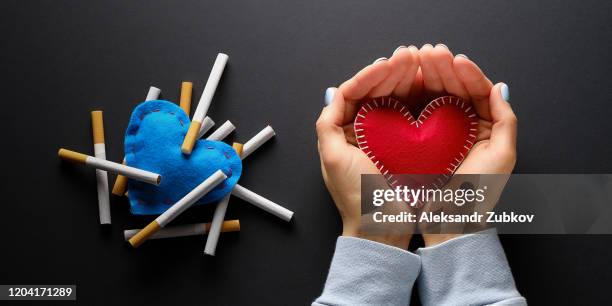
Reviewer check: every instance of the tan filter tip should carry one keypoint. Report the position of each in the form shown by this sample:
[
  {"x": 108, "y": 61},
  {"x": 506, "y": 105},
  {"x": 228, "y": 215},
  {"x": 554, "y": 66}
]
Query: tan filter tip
[
  {"x": 231, "y": 226},
  {"x": 120, "y": 185},
  {"x": 97, "y": 124},
  {"x": 191, "y": 137},
  {"x": 238, "y": 147},
  {"x": 144, "y": 234},
  {"x": 226, "y": 226},
  {"x": 72, "y": 156},
  {"x": 185, "y": 102}
]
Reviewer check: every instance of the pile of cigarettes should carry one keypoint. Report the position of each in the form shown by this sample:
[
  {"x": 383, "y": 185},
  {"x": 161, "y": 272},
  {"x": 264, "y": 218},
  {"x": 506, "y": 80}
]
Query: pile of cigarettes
[{"x": 199, "y": 126}]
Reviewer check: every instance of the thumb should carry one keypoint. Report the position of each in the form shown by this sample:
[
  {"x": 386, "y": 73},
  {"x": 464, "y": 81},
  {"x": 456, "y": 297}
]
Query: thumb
[
  {"x": 503, "y": 133},
  {"x": 329, "y": 128}
]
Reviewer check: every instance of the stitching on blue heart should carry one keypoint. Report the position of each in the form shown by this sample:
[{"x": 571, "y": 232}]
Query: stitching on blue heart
[{"x": 139, "y": 152}]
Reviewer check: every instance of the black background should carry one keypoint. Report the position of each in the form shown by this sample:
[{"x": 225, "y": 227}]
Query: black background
[{"x": 62, "y": 59}]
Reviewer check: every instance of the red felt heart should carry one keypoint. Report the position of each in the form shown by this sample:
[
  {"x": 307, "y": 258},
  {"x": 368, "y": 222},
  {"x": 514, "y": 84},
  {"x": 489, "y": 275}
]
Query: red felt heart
[{"x": 435, "y": 143}]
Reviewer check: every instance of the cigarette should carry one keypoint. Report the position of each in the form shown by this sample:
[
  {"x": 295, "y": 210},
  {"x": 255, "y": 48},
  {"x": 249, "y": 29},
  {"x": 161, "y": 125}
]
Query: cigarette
[
  {"x": 207, "y": 124},
  {"x": 218, "y": 217},
  {"x": 254, "y": 143},
  {"x": 204, "y": 103},
  {"x": 120, "y": 186},
  {"x": 97, "y": 124},
  {"x": 178, "y": 207},
  {"x": 215, "y": 226},
  {"x": 186, "y": 230},
  {"x": 103, "y": 164},
  {"x": 262, "y": 203},
  {"x": 185, "y": 101},
  {"x": 153, "y": 93},
  {"x": 225, "y": 129}
]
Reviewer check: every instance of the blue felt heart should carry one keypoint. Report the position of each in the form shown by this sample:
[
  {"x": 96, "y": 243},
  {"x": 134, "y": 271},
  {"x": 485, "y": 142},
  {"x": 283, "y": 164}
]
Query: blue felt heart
[{"x": 153, "y": 142}]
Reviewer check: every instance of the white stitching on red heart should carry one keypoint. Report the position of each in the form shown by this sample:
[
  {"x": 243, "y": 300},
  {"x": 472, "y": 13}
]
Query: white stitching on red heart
[{"x": 431, "y": 106}]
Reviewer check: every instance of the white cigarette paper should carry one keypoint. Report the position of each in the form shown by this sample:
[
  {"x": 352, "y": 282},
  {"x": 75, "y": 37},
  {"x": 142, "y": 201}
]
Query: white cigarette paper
[
  {"x": 262, "y": 203},
  {"x": 210, "y": 88},
  {"x": 215, "y": 227},
  {"x": 97, "y": 127},
  {"x": 209, "y": 91},
  {"x": 254, "y": 143},
  {"x": 131, "y": 172},
  {"x": 221, "y": 132},
  {"x": 175, "y": 210},
  {"x": 102, "y": 186},
  {"x": 171, "y": 232},
  {"x": 207, "y": 124},
  {"x": 153, "y": 93},
  {"x": 103, "y": 164},
  {"x": 194, "y": 195},
  {"x": 184, "y": 230}
]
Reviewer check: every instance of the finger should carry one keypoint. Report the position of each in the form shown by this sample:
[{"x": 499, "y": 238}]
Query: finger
[
  {"x": 431, "y": 79},
  {"x": 365, "y": 80},
  {"x": 443, "y": 61},
  {"x": 484, "y": 130},
  {"x": 417, "y": 85},
  {"x": 409, "y": 59},
  {"x": 385, "y": 87},
  {"x": 329, "y": 130},
  {"x": 360, "y": 85},
  {"x": 503, "y": 132},
  {"x": 476, "y": 84},
  {"x": 349, "y": 134}
]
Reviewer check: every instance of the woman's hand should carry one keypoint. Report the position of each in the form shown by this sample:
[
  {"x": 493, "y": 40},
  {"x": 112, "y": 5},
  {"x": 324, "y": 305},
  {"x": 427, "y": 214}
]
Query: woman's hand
[
  {"x": 342, "y": 162},
  {"x": 413, "y": 76},
  {"x": 495, "y": 149}
]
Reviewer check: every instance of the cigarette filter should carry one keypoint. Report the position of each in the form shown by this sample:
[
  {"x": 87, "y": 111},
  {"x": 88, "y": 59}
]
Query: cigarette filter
[
  {"x": 120, "y": 186},
  {"x": 207, "y": 124},
  {"x": 254, "y": 143},
  {"x": 175, "y": 210},
  {"x": 221, "y": 132},
  {"x": 191, "y": 137},
  {"x": 262, "y": 203},
  {"x": 204, "y": 103},
  {"x": 97, "y": 124},
  {"x": 185, "y": 230},
  {"x": 219, "y": 215},
  {"x": 185, "y": 100},
  {"x": 103, "y": 164}
]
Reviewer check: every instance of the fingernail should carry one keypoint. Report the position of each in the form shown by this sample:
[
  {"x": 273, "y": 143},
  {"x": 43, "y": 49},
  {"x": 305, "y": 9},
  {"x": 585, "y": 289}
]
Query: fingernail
[
  {"x": 442, "y": 45},
  {"x": 462, "y": 55},
  {"x": 399, "y": 48},
  {"x": 329, "y": 95},
  {"x": 427, "y": 45},
  {"x": 380, "y": 59},
  {"x": 505, "y": 92}
]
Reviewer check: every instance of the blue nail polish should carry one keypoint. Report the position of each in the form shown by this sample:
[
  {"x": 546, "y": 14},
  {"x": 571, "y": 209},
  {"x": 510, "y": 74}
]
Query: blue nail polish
[
  {"x": 505, "y": 92},
  {"x": 329, "y": 95}
]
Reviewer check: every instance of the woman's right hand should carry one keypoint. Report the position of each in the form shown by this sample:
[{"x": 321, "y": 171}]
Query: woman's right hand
[{"x": 342, "y": 162}]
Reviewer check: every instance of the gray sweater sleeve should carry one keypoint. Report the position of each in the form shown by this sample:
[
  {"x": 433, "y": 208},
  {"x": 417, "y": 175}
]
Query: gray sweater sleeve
[
  {"x": 468, "y": 270},
  {"x": 365, "y": 272}
]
